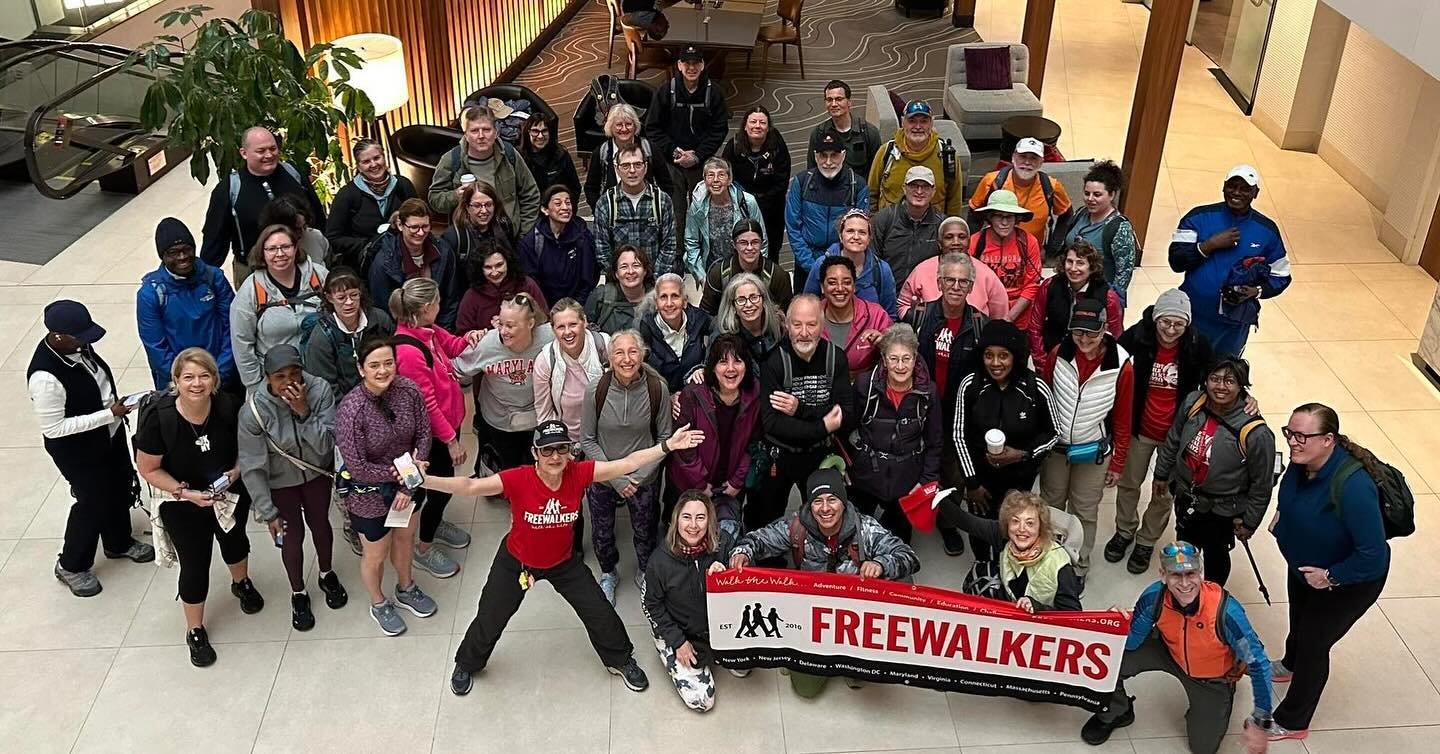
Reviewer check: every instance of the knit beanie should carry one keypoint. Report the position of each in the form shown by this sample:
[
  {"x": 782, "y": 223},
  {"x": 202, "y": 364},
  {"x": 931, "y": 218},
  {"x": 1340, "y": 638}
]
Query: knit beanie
[
  {"x": 1172, "y": 303},
  {"x": 1003, "y": 333},
  {"x": 826, "y": 481},
  {"x": 170, "y": 232}
]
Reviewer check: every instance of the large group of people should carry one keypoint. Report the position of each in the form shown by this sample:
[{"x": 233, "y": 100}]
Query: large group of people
[{"x": 658, "y": 358}]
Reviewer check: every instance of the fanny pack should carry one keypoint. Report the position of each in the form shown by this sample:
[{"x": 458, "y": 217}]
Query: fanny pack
[{"x": 1088, "y": 452}]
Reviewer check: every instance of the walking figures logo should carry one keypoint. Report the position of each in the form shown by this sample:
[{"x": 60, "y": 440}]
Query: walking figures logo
[{"x": 756, "y": 622}]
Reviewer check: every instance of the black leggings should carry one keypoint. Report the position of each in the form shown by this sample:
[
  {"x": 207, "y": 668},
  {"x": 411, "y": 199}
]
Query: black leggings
[
  {"x": 193, "y": 529},
  {"x": 891, "y": 516},
  {"x": 305, "y": 506},
  {"x": 1319, "y": 619},
  {"x": 432, "y": 512},
  {"x": 1214, "y": 535}
]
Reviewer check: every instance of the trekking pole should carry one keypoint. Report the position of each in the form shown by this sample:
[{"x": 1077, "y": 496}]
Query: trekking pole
[{"x": 1263, "y": 591}]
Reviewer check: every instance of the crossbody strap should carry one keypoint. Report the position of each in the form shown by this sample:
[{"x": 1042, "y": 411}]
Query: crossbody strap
[{"x": 255, "y": 412}]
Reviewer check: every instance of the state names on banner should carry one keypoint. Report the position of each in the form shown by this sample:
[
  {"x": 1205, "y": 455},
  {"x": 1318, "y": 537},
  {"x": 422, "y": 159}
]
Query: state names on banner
[{"x": 891, "y": 632}]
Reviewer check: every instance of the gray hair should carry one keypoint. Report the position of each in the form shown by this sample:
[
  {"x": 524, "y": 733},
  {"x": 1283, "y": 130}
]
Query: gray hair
[
  {"x": 621, "y": 111},
  {"x": 629, "y": 332},
  {"x": 650, "y": 305},
  {"x": 902, "y": 336},
  {"x": 719, "y": 162},
  {"x": 727, "y": 318},
  {"x": 956, "y": 258},
  {"x": 953, "y": 220}
]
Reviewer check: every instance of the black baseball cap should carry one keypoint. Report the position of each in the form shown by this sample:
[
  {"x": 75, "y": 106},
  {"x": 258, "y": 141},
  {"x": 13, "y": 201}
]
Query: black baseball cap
[
  {"x": 551, "y": 432},
  {"x": 1088, "y": 316},
  {"x": 691, "y": 53},
  {"x": 71, "y": 318},
  {"x": 828, "y": 142}
]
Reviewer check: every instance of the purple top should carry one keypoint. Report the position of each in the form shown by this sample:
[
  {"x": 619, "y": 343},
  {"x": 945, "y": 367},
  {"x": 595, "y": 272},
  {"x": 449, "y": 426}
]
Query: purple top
[{"x": 370, "y": 441}]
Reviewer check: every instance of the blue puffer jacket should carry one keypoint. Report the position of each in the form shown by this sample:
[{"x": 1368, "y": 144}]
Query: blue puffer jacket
[
  {"x": 175, "y": 314},
  {"x": 813, "y": 205}
]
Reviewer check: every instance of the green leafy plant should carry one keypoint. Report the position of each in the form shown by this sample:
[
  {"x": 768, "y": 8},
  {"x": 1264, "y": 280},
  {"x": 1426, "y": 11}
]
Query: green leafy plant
[{"x": 235, "y": 74}]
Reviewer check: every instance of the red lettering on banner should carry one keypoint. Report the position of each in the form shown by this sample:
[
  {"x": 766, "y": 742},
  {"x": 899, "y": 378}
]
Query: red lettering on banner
[
  {"x": 1099, "y": 656},
  {"x": 960, "y": 643},
  {"x": 1040, "y": 652},
  {"x": 1069, "y": 652},
  {"x": 984, "y": 654},
  {"x": 897, "y": 625},
  {"x": 927, "y": 638},
  {"x": 845, "y": 624},
  {"x": 818, "y": 613},
  {"x": 1012, "y": 649},
  {"x": 871, "y": 639}
]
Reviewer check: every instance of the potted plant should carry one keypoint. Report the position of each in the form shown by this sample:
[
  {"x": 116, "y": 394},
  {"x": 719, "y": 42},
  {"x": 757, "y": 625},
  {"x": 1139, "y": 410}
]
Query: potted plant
[{"x": 235, "y": 74}]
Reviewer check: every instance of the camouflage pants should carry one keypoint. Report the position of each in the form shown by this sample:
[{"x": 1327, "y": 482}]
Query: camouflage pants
[{"x": 696, "y": 686}]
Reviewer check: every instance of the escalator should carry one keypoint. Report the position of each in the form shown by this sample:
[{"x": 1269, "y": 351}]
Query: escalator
[{"x": 70, "y": 116}]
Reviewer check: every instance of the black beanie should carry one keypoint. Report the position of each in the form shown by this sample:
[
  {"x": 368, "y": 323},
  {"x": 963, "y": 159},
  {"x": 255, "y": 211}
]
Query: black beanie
[
  {"x": 170, "y": 232},
  {"x": 1003, "y": 333},
  {"x": 826, "y": 480}
]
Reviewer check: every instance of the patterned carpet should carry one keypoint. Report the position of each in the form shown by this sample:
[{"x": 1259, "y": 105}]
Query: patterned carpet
[{"x": 863, "y": 42}]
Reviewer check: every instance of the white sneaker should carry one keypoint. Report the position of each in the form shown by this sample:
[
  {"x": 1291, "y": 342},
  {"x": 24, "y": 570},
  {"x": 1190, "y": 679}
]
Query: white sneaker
[{"x": 609, "y": 582}]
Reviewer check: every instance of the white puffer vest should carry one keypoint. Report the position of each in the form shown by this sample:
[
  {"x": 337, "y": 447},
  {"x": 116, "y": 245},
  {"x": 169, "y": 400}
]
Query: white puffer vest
[{"x": 1081, "y": 410}]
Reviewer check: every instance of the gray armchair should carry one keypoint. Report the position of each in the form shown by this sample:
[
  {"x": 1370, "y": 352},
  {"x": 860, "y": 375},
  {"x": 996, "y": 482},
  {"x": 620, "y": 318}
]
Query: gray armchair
[
  {"x": 980, "y": 113},
  {"x": 879, "y": 111}
]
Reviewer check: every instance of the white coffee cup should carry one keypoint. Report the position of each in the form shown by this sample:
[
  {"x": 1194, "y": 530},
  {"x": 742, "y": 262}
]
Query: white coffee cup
[
  {"x": 994, "y": 441},
  {"x": 467, "y": 179}
]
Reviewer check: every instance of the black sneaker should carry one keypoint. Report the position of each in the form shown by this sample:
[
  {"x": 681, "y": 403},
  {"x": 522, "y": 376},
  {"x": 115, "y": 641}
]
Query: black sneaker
[
  {"x": 335, "y": 595},
  {"x": 634, "y": 677},
  {"x": 202, "y": 655},
  {"x": 250, "y": 600},
  {"x": 1140, "y": 559},
  {"x": 460, "y": 681},
  {"x": 300, "y": 616},
  {"x": 1116, "y": 547},
  {"x": 954, "y": 542},
  {"x": 1097, "y": 731}
]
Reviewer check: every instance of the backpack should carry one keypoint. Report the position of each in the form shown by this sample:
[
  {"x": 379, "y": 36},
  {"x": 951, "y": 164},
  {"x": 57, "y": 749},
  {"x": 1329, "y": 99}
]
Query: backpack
[
  {"x": 797, "y": 545},
  {"x": 235, "y": 189},
  {"x": 1055, "y": 242},
  {"x": 307, "y": 322},
  {"x": 1243, "y": 432},
  {"x": 650, "y": 190},
  {"x": 506, "y": 151},
  {"x": 606, "y": 91},
  {"x": 947, "y": 163},
  {"x": 652, "y": 390},
  {"x": 1397, "y": 500},
  {"x": 154, "y": 401},
  {"x": 416, "y": 343},
  {"x": 850, "y": 197},
  {"x": 919, "y": 316},
  {"x": 789, "y": 366},
  {"x": 161, "y": 294}
]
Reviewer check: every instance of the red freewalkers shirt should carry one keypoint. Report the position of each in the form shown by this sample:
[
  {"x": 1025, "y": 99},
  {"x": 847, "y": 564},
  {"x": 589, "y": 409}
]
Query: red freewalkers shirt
[
  {"x": 944, "y": 339},
  {"x": 542, "y": 520},
  {"x": 1159, "y": 411},
  {"x": 1197, "y": 453}
]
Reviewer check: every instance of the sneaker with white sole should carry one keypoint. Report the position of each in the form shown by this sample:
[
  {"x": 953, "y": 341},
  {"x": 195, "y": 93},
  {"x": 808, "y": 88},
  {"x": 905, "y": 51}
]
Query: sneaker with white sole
[
  {"x": 609, "y": 582},
  {"x": 451, "y": 536},
  {"x": 1279, "y": 732},
  {"x": 1279, "y": 673},
  {"x": 435, "y": 562},
  {"x": 353, "y": 539},
  {"x": 415, "y": 601},
  {"x": 387, "y": 618},
  {"x": 84, "y": 583},
  {"x": 635, "y": 678}
]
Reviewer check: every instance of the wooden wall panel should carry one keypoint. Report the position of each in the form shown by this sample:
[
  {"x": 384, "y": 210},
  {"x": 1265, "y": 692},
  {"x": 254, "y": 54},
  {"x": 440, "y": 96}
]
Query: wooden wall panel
[{"x": 452, "y": 47}]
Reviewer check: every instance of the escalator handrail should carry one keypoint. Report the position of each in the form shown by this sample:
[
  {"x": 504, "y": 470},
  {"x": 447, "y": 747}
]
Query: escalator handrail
[
  {"x": 59, "y": 48},
  {"x": 32, "y": 123}
]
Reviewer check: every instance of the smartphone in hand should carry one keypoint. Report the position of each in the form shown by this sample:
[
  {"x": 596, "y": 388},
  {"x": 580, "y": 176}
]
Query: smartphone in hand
[{"x": 409, "y": 472}]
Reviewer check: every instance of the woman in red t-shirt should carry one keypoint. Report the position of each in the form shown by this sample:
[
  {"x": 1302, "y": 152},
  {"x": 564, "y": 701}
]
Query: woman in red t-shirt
[
  {"x": 544, "y": 508},
  {"x": 1012, "y": 253}
]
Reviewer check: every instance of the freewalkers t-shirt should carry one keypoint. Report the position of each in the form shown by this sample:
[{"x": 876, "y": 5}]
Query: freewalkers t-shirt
[
  {"x": 1160, "y": 398},
  {"x": 1197, "y": 453},
  {"x": 944, "y": 339},
  {"x": 542, "y": 520}
]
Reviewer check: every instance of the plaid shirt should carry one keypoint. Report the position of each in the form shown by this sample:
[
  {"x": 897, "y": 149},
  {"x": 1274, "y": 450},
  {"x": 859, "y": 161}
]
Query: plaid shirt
[{"x": 644, "y": 224}]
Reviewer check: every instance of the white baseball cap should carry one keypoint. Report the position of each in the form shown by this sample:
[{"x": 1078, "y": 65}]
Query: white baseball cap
[
  {"x": 1029, "y": 145},
  {"x": 920, "y": 173},
  {"x": 1245, "y": 172}
]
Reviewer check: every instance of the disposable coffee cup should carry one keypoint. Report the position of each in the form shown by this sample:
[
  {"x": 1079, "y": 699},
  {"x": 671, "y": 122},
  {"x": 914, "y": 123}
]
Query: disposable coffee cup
[
  {"x": 467, "y": 179},
  {"x": 994, "y": 441}
]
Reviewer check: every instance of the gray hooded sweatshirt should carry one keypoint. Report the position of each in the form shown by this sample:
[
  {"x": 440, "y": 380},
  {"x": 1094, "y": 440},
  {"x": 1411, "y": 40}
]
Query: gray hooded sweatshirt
[
  {"x": 625, "y": 426},
  {"x": 1235, "y": 485},
  {"x": 254, "y": 331},
  {"x": 504, "y": 393},
  {"x": 263, "y": 468}
]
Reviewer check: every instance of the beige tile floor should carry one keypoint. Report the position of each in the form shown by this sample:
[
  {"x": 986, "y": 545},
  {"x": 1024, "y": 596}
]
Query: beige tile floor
[{"x": 111, "y": 673}]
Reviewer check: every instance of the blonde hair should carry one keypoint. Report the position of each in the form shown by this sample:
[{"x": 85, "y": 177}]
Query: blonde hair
[
  {"x": 622, "y": 111},
  {"x": 199, "y": 357},
  {"x": 673, "y": 540},
  {"x": 1018, "y": 502},
  {"x": 408, "y": 300},
  {"x": 527, "y": 302}
]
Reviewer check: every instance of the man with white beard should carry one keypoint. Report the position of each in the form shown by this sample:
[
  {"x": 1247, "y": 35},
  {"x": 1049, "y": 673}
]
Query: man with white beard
[{"x": 816, "y": 200}]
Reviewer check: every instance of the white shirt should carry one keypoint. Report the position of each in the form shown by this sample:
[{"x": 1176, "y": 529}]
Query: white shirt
[
  {"x": 634, "y": 198},
  {"x": 359, "y": 326},
  {"x": 675, "y": 338},
  {"x": 47, "y": 395}
]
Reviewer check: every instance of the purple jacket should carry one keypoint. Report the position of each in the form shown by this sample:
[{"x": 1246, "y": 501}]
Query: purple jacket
[
  {"x": 370, "y": 442},
  {"x": 690, "y": 469}
]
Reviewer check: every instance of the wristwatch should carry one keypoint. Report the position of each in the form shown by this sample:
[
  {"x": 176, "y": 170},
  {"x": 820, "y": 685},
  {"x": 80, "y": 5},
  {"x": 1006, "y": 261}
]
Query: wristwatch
[{"x": 1331, "y": 579}]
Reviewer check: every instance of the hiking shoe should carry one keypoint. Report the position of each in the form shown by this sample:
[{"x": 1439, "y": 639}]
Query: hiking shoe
[
  {"x": 435, "y": 562},
  {"x": 81, "y": 584},
  {"x": 300, "y": 616},
  {"x": 954, "y": 542},
  {"x": 460, "y": 681},
  {"x": 634, "y": 677},
  {"x": 739, "y": 672},
  {"x": 250, "y": 600},
  {"x": 609, "y": 582},
  {"x": 1097, "y": 731},
  {"x": 451, "y": 536},
  {"x": 353, "y": 540},
  {"x": 415, "y": 601},
  {"x": 1140, "y": 559},
  {"x": 1279, "y": 673},
  {"x": 1116, "y": 547},
  {"x": 335, "y": 594},
  {"x": 1279, "y": 732},
  {"x": 387, "y": 619},
  {"x": 138, "y": 552},
  {"x": 202, "y": 655}
]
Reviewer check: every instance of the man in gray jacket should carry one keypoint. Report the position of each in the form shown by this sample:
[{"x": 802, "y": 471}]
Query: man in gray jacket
[
  {"x": 484, "y": 155},
  {"x": 1220, "y": 463},
  {"x": 908, "y": 233},
  {"x": 625, "y": 410},
  {"x": 287, "y": 449}
]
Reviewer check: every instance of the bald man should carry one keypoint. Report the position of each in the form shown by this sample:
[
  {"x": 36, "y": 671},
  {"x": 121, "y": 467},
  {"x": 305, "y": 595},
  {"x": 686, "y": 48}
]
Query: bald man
[{"x": 232, "y": 222}]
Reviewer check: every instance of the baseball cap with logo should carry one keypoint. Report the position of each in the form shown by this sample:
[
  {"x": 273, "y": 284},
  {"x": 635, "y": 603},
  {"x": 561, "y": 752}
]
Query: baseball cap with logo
[
  {"x": 1030, "y": 145},
  {"x": 917, "y": 107},
  {"x": 1088, "y": 316},
  {"x": 691, "y": 54},
  {"x": 551, "y": 432},
  {"x": 828, "y": 142},
  {"x": 1181, "y": 557},
  {"x": 920, "y": 173},
  {"x": 1245, "y": 173}
]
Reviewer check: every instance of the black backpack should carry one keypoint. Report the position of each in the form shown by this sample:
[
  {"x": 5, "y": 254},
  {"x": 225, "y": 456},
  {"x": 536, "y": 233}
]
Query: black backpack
[
  {"x": 1397, "y": 501},
  {"x": 606, "y": 91},
  {"x": 417, "y": 344}
]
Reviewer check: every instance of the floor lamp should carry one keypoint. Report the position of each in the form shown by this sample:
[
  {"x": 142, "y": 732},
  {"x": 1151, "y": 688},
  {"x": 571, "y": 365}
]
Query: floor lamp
[{"x": 381, "y": 77}]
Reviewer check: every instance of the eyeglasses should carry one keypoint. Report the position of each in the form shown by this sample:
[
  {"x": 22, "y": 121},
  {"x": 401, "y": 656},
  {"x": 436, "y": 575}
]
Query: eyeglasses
[
  {"x": 1300, "y": 438},
  {"x": 949, "y": 282},
  {"x": 1170, "y": 323},
  {"x": 346, "y": 298},
  {"x": 1183, "y": 550},
  {"x": 630, "y": 166},
  {"x": 1221, "y": 380},
  {"x": 752, "y": 300},
  {"x": 748, "y": 244},
  {"x": 551, "y": 451},
  {"x": 415, "y": 228},
  {"x": 482, "y": 205},
  {"x": 899, "y": 359},
  {"x": 281, "y": 247}
]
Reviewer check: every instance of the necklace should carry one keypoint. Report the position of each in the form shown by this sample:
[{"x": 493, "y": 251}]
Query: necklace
[{"x": 202, "y": 435}]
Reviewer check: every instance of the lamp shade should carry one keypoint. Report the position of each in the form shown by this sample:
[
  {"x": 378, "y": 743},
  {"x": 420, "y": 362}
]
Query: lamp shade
[{"x": 382, "y": 75}]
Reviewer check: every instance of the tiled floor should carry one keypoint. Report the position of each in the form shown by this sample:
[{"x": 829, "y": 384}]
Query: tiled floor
[{"x": 111, "y": 674}]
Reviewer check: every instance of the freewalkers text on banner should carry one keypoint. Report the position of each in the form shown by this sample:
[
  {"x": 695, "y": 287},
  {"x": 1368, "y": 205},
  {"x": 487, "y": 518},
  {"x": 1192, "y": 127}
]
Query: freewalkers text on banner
[{"x": 892, "y": 632}]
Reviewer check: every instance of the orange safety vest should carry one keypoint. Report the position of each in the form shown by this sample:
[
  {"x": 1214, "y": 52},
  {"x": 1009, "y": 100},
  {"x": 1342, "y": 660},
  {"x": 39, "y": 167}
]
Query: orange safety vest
[{"x": 1195, "y": 641}]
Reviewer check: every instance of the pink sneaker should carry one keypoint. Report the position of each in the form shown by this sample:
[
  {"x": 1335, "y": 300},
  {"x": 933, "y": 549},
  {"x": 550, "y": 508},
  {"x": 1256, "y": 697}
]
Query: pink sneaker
[
  {"x": 1279, "y": 732},
  {"x": 1279, "y": 673}
]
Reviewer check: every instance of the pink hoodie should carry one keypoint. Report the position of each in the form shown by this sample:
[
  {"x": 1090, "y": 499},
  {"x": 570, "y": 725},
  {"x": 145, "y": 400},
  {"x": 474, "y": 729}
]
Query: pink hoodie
[
  {"x": 444, "y": 400},
  {"x": 858, "y": 353}
]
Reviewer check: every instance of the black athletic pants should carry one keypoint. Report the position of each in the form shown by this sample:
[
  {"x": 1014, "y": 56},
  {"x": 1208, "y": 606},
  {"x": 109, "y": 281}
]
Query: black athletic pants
[
  {"x": 1214, "y": 535},
  {"x": 1319, "y": 619},
  {"x": 101, "y": 510},
  {"x": 787, "y": 469},
  {"x": 502, "y": 596}
]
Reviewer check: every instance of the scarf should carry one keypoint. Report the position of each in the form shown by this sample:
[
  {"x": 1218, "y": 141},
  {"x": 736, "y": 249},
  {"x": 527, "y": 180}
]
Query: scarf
[
  {"x": 1042, "y": 569},
  {"x": 427, "y": 261},
  {"x": 589, "y": 361},
  {"x": 383, "y": 198},
  {"x": 691, "y": 551}
]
